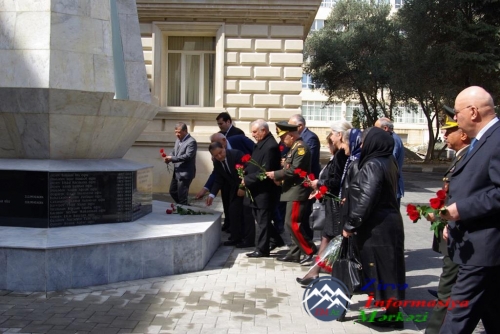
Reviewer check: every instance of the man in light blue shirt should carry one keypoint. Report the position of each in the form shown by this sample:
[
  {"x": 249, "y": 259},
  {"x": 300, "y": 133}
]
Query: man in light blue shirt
[{"x": 399, "y": 152}]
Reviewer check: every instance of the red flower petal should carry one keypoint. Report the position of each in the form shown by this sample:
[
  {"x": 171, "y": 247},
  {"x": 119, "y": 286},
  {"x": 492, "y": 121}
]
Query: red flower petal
[
  {"x": 162, "y": 150},
  {"x": 297, "y": 171},
  {"x": 436, "y": 203},
  {"x": 246, "y": 158},
  {"x": 172, "y": 205},
  {"x": 169, "y": 211},
  {"x": 411, "y": 208},
  {"x": 323, "y": 189},
  {"x": 282, "y": 148},
  {"x": 414, "y": 216},
  {"x": 318, "y": 195},
  {"x": 441, "y": 194},
  {"x": 306, "y": 184},
  {"x": 163, "y": 155},
  {"x": 312, "y": 177},
  {"x": 303, "y": 173}
]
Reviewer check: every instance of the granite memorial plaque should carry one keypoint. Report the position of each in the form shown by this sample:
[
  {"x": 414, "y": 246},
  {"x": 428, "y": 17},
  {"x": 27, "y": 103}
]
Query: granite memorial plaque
[{"x": 55, "y": 199}]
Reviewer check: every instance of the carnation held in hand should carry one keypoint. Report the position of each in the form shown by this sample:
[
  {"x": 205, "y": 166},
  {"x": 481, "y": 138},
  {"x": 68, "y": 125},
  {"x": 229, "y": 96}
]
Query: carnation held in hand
[{"x": 415, "y": 212}]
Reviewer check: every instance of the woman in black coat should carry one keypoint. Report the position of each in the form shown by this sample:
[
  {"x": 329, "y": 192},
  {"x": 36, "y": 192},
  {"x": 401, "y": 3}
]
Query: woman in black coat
[{"x": 371, "y": 212}]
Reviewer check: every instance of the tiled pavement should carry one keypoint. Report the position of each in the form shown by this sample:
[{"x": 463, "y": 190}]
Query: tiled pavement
[{"x": 233, "y": 294}]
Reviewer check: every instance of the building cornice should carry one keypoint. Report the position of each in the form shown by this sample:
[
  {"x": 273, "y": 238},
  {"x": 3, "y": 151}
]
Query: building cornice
[{"x": 297, "y": 12}]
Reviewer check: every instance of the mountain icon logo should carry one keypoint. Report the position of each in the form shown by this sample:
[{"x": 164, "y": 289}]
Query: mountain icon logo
[{"x": 326, "y": 298}]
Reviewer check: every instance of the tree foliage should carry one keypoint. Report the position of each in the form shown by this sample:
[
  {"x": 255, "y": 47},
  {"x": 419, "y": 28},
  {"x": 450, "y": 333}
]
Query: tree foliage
[{"x": 420, "y": 57}]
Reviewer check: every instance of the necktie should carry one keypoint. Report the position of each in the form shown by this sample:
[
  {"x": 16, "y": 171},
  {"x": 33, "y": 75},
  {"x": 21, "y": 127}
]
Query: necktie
[
  {"x": 226, "y": 167},
  {"x": 472, "y": 143}
]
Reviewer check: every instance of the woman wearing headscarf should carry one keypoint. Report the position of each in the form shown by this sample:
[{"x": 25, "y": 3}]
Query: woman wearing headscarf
[
  {"x": 341, "y": 148},
  {"x": 372, "y": 214}
]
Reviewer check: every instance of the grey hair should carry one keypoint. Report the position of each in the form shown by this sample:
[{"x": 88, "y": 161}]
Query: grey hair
[
  {"x": 345, "y": 136},
  {"x": 384, "y": 121},
  {"x": 181, "y": 126},
  {"x": 299, "y": 119},
  {"x": 341, "y": 126},
  {"x": 262, "y": 124},
  {"x": 217, "y": 136}
]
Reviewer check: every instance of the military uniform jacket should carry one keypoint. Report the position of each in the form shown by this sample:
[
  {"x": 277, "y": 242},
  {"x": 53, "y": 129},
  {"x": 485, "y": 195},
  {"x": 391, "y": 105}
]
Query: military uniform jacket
[{"x": 292, "y": 188}]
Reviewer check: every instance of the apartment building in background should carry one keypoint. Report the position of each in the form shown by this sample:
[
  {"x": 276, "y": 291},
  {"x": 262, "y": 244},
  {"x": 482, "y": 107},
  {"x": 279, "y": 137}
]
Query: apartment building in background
[{"x": 410, "y": 126}]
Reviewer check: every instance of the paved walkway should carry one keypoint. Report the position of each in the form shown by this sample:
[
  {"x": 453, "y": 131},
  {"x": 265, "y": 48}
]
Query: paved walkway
[{"x": 234, "y": 294}]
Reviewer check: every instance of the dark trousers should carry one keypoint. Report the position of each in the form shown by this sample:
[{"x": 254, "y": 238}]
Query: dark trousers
[
  {"x": 226, "y": 204},
  {"x": 295, "y": 220},
  {"x": 446, "y": 281},
  {"x": 179, "y": 190},
  {"x": 266, "y": 232},
  {"x": 242, "y": 226},
  {"x": 479, "y": 286}
]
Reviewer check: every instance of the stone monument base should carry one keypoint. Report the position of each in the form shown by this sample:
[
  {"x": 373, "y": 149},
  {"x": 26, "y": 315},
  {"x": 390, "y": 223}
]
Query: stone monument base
[
  {"x": 78, "y": 256},
  {"x": 55, "y": 193}
]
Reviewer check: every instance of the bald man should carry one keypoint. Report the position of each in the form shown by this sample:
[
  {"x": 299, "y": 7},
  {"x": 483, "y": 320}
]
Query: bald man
[{"x": 473, "y": 213}]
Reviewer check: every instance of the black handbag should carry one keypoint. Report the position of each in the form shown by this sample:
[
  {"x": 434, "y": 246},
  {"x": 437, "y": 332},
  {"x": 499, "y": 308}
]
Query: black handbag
[
  {"x": 348, "y": 268},
  {"x": 318, "y": 216}
]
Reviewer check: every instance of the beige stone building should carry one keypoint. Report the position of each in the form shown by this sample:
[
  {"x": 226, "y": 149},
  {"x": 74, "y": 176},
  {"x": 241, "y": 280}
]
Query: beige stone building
[{"x": 205, "y": 57}]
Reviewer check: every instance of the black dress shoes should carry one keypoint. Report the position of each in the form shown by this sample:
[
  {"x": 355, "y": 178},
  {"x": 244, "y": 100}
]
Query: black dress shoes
[
  {"x": 256, "y": 254},
  {"x": 387, "y": 324},
  {"x": 307, "y": 259},
  {"x": 287, "y": 258},
  {"x": 433, "y": 292},
  {"x": 306, "y": 281}
]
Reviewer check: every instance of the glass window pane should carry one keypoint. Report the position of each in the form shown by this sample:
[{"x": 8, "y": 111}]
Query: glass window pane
[
  {"x": 192, "y": 81},
  {"x": 174, "y": 80},
  {"x": 209, "y": 79},
  {"x": 191, "y": 43}
]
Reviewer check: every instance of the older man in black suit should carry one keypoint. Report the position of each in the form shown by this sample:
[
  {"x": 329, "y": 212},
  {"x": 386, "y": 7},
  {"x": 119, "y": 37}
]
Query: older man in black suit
[
  {"x": 473, "y": 213},
  {"x": 183, "y": 157},
  {"x": 264, "y": 192}
]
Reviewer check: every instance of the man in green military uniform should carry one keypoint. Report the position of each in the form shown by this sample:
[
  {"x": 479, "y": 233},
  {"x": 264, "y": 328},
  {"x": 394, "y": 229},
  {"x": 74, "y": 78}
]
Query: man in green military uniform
[
  {"x": 294, "y": 192},
  {"x": 458, "y": 141}
]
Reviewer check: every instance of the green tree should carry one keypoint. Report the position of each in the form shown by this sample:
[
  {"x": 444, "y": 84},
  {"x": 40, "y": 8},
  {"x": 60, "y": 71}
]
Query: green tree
[
  {"x": 348, "y": 57},
  {"x": 445, "y": 46}
]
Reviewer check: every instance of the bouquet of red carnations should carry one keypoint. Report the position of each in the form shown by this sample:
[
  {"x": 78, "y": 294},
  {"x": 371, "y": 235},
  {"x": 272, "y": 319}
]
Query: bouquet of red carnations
[{"x": 415, "y": 212}]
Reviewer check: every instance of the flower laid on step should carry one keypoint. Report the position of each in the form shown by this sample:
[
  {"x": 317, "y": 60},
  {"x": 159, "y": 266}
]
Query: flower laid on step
[
  {"x": 180, "y": 210},
  {"x": 415, "y": 212}
]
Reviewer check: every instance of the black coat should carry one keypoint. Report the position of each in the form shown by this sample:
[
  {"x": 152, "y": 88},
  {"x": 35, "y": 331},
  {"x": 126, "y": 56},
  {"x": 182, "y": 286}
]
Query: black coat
[
  {"x": 233, "y": 131},
  {"x": 331, "y": 177},
  {"x": 265, "y": 193},
  {"x": 371, "y": 210},
  {"x": 228, "y": 184}
]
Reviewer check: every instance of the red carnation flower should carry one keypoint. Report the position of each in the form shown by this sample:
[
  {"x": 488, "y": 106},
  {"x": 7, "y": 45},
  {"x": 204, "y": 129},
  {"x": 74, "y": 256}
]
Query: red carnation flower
[
  {"x": 172, "y": 205},
  {"x": 238, "y": 166},
  {"x": 414, "y": 216},
  {"x": 441, "y": 194},
  {"x": 306, "y": 184},
  {"x": 436, "y": 203},
  {"x": 246, "y": 158},
  {"x": 282, "y": 148},
  {"x": 323, "y": 190},
  {"x": 163, "y": 155},
  {"x": 311, "y": 177},
  {"x": 303, "y": 173},
  {"x": 318, "y": 195},
  {"x": 411, "y": 208},
  {"x": 169, "y": 211},
  {"x": 162, "y": 150},
  {"x": 297, "y": 171}
]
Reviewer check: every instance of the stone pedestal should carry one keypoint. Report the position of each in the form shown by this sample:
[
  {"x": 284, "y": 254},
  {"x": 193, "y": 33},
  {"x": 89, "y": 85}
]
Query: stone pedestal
[{"x": 55, "y": 193}]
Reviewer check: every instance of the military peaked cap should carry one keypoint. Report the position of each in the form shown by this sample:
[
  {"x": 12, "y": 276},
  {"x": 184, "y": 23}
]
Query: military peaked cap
[{"x": 283, "y": 127}]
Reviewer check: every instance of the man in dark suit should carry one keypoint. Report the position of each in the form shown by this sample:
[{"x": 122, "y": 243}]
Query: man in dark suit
[
  {"x": 294, "y": 192},
  {"x": 226, "y": 126},
  {"x": 266, "y": 153},
  {"x": 472, "y": 213},
  {"x": 184, "y": 159},
  {"x": 228, "y": 181},
  {"x": 458, "y": 141}
]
